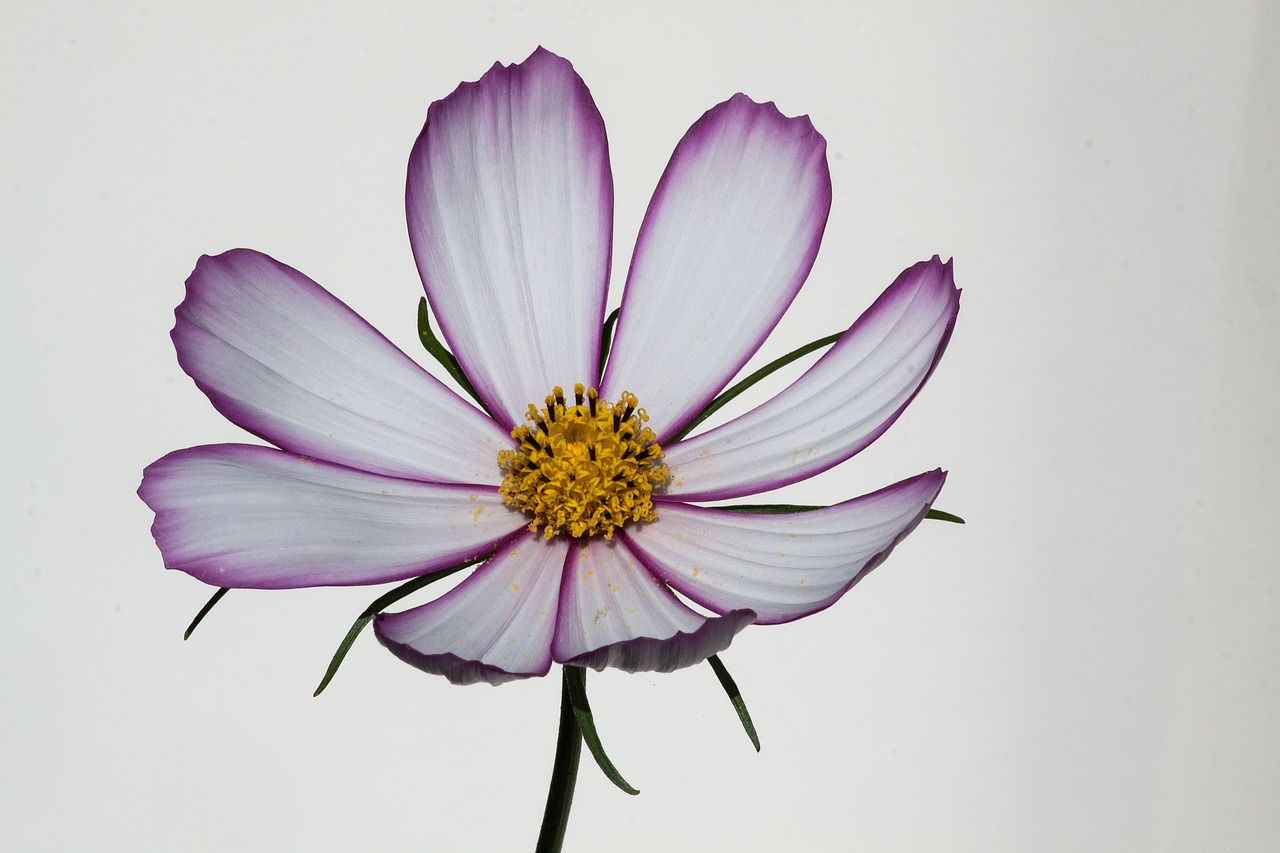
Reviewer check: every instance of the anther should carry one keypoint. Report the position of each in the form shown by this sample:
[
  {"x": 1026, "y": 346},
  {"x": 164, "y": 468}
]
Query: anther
[{"x": 588, "y": 480}]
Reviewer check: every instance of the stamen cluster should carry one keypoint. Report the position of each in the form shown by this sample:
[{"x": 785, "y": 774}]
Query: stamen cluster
[{"x": 583, "y": 469}]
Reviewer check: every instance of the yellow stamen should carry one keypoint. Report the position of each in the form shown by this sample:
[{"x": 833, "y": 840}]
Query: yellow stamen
[{"x": 583, "y": 469}]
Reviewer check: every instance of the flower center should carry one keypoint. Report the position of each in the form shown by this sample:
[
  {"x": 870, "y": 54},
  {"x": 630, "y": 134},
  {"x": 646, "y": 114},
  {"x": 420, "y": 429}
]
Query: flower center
[{"x": 583, "y": 469}]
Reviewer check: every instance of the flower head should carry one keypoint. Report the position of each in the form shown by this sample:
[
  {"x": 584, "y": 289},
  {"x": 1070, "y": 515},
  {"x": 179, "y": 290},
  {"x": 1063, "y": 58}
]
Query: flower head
[
  {"x": 581, "y": 500},
  {"x": 586, "y": 469}
]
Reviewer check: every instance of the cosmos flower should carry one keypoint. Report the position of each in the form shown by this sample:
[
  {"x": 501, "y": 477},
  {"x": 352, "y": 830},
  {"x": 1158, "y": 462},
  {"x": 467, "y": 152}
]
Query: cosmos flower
[{"x": 576, "y": 483}]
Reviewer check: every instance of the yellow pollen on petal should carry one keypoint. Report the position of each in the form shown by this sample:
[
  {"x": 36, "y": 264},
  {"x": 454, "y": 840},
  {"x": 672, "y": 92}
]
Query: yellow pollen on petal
[{"x": 583, "y": 466}]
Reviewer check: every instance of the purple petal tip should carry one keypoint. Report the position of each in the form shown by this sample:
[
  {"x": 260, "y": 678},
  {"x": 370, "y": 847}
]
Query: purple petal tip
[
  {"x": 646, "y": 654},
  {"x": 458, "y": 670}
]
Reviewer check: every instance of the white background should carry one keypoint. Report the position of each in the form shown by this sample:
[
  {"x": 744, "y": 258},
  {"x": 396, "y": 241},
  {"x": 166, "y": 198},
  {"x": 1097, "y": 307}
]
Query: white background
[{"x": 1089, "y": 665}]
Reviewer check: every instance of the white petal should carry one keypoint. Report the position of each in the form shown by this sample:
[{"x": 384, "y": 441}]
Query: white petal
[
  {"x": 283, "y": 358},
  {"x": 781, "y": 566},
  {"x": 838, "y": 407},
  {"x": 510, "y": 207},
  {"x": 728, "y": 240},
  {"x": 613, "y": 612},
  {"x": 495, "y": 626},
  {"x": 241, "y": 516}
]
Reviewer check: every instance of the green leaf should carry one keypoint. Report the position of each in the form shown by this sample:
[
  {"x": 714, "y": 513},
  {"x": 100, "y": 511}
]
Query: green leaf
[
  {"x": 778, "y": 363},
  {"x": 381, "y": 603},
  {"x": 441, "y": 353},
  {"x": 780, "y": 509},
  {"x": 735, "y": 696},
  {"x": 576, "y": 679},
  {"x": 939, "y": 515},
  {"x": 769, "y": 509},
  {"x": 606, "y": 338},
  {"x": 204, "y": 611},
  {"x": 345, "y": 646}
]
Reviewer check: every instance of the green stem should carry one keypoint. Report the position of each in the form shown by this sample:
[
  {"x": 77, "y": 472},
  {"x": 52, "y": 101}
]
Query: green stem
[{"x": 564, "y": 775}]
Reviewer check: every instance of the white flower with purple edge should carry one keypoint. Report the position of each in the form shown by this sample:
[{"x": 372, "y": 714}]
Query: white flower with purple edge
[{"x": 383, "y": 473}]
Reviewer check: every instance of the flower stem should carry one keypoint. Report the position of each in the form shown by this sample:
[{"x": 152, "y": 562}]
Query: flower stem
[{"x": 564, "y": 775}]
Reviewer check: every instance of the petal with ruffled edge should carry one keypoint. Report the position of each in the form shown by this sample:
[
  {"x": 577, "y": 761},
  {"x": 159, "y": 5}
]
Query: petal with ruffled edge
[
  {"x": 510, "y": 208},
  {"x": 280, "y": 356},
  {"x": 255, "y": 517},
  {"x": 781, "y": 566},
  {"x": 838, "y": 407},
  {"x": 614, "y": 612},
  {"x": 495, "y": 626},
  {"x": 729, "y": 237}
]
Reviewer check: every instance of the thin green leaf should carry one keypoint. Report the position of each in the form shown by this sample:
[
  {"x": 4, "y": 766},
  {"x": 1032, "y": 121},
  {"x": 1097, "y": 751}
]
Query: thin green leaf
[
  {"x": 770, "y": 509},
  {"x": 341, "y": 654},
  {"x": 381, "y": 603},
  {"x": 606, "y": 338},
  {"x": 441, "y": 353},
  {"x": 778, "y": 363},
  {"x": 735, "y": 696},
  {"x": 576, "y": 679},
  {"x": 780, "y": 509},
  {"x": 939, "y": 515},
  {"x": 204, "y": 611}
]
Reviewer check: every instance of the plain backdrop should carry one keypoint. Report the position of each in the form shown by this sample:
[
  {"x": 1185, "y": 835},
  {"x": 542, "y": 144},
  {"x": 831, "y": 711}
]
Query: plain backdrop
[{"x": 1090, "y": 664}]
